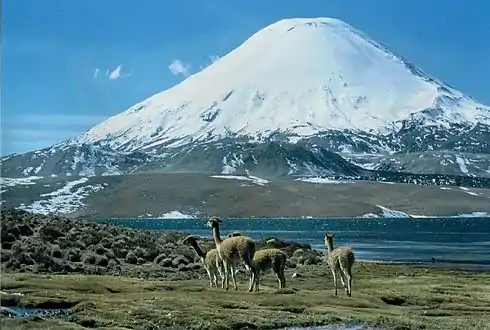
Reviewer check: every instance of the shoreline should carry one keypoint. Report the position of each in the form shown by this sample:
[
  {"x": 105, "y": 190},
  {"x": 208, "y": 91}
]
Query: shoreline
[
  {"x": 449, "y": 266},
  {"x": 366, "y": 254},
  {"x": 416, "y": 217}
]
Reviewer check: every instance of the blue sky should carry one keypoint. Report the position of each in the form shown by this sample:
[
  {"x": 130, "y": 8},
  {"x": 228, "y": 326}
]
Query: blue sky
[{"x": 68, "y": 65}]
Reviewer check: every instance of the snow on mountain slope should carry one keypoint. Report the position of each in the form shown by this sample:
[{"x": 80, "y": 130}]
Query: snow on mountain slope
[{"x": 299, "y": 76}]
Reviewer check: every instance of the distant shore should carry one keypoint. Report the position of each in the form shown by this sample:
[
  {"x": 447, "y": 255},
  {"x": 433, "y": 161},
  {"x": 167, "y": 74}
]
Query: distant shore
[
  {"x": 170, "y": 194},
  {"x": 470, "y": 215}
]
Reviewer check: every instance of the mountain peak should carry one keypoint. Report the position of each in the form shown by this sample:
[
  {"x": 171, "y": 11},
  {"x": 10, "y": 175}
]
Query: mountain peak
[
  {"x": 288, "y": 24},
  {"x": 298, "y": 76}
]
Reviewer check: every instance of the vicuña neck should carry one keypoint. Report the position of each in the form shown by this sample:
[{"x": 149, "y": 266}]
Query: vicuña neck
[
  {"x": 198, "y": 249},
  {"x": 216, "y": 235},
  {"x": 330, "y": 246}
]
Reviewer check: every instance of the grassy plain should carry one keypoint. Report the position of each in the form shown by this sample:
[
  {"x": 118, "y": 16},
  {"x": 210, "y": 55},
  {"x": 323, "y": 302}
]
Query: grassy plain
[{"x": 384, "y": 296}]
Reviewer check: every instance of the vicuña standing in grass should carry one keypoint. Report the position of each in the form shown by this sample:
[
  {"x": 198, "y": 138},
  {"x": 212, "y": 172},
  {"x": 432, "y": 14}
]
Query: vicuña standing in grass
[
  {"x": 210, "y": 260},
  {"x": 274, "y": 259},
  {"x": 271, "y": 258},
  {"x": 340, "y": 260},
  {"x": 231, "y": 251}
]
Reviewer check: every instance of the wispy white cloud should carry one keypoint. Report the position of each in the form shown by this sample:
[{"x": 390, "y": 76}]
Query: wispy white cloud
[
  {"x": 117, "y": 73},
  {"x": 178, "y": 67},
  {"x": 114, "y": 74}
]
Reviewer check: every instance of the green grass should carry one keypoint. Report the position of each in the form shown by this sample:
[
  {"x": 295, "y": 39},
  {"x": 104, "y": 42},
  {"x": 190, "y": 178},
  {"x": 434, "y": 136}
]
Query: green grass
[{"x": 390, "y": 296}]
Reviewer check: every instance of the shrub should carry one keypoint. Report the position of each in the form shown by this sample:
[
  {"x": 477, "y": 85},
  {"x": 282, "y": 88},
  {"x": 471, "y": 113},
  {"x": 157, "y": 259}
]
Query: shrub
[
  {"x": 56, "y": 251},
  {"x": 180, "y": 260},
  {"x": 106, "y": 242},
  {"x": 5, "y": 255},
  {"x": 26, "y": 259},
  {"x": 113, "y": 264},
  {"x": 120, "y": 253},
  {"x": 119, "y": 248},
  {"x": 99, "y": 249},
  {"x": 131, "y": 258},
  {"x": 16, "y": 248},
  {"x": 184, "y": 268},
  {"x": 166, "y": 262},
  {"x": 159, "y": 258},
  {"x": 141, "y": 253},
  {"x": 38, "y": 250},
  {"x": 109, "y": 254},
  {"x": 101, "y": 261},
  {"x": 49, "y": 233},
  {"x": 195, "y": 266},
  {"x": 73, "y": 255},
  {"x": 24, "y": 230},
  {"x": 89, "y": 258},
  {"x": 12, "y": 263}
]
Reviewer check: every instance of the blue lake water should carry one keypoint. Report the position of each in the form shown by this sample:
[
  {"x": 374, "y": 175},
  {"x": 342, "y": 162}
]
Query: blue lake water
[{"x": 459, "y": 241}]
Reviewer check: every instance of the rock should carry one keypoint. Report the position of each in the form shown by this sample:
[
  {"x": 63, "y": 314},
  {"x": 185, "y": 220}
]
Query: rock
[{"x": 273, "y": 241}]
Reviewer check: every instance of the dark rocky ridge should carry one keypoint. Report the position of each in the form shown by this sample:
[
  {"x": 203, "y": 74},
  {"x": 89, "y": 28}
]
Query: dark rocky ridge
[
  {"x": 274, "y": 156},
  {"x": 440, "y": 162}
]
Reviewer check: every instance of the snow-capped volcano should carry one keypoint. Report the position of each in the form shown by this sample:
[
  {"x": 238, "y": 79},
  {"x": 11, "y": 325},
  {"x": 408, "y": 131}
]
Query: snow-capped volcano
[
  {"x": 297, "y": 76},
  {"x": 283, "y": 103},
  {"x": 301, "y": 97}
]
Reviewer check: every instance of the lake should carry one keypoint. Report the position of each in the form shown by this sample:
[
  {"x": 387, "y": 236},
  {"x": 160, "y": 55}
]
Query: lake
[{"x": 464, "y": 242}]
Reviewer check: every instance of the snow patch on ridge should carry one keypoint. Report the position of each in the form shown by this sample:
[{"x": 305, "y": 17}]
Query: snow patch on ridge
[{"x": 254, "y": 179}]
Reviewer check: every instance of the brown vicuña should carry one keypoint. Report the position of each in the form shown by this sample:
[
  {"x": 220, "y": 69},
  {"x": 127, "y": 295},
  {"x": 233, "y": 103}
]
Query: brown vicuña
[
  {"x": 232, "y": 250},
  {"x": 340, "y": 261},
  {"x": 210, "y": 260},
  {"x": 270, "y": 258}
]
